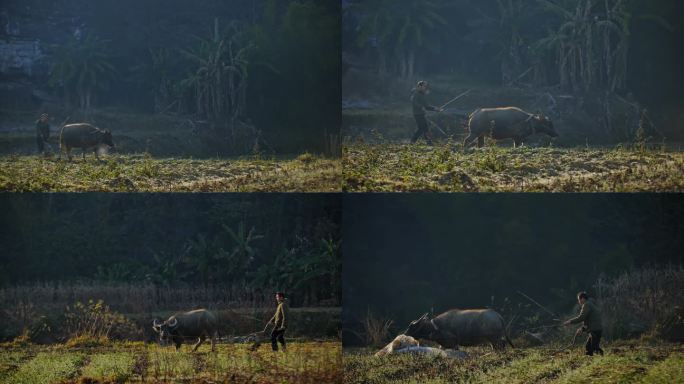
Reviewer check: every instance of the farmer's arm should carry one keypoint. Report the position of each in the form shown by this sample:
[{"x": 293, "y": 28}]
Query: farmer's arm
[
  {"x": 422, "y": 100},
  {"x": 429, "y": 107},
  {"x": 283, "y": 312},
  {"x": 581, "y": 317}
]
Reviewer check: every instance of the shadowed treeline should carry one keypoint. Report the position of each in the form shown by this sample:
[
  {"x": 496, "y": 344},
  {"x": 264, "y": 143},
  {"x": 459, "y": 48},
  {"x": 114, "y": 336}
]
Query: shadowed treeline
[
  {"x": 242, "y": 247},
  {"x": 408, "y": 254}
]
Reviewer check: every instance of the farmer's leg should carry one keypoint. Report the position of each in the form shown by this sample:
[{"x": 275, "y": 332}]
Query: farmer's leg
[
  {"x": 281, "y": 338},
  {"x": 40, "y": 143},
  {"x": 421, "y": 123},
  {"x": 428, "y": 134},
  {"x": 274, "y": 340},
  {"x": 596, "y": 338},
  {"x": 589, "y": 346}
]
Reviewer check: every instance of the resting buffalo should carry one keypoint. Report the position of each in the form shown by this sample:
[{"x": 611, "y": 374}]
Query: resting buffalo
[
  {"x": 83, "y": 136},
  {"x": 403, "y": 344},
  {"x": 506, "y": 123},
  {"x": 198, "y": 324},
  {"x": 463, "y": 327}
]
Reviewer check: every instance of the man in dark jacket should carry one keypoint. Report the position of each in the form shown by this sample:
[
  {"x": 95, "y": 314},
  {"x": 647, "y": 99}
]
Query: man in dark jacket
[
  {"x": 420, "y": 105},
  {"x": 279, "y": 321},
  {"x": 590, "y": 316},
  {"x": 42, "y": 132}
]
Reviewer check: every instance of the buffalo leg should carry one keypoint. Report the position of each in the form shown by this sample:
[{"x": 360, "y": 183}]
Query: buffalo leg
[
  {"x": 467, "y": 141},
  {"x": 480, "y": 141},
  {"x": 498, "y": 345},
  {"x": 199, "y": 342},
  {"x": 95, "y": 152},
  {"x": 213, "y": 342},
  {"x": 68, "y": 152}
]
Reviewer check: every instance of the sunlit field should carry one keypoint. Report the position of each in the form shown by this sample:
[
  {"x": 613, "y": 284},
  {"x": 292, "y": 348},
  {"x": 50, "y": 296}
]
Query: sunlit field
[
  {"x": 144, "y": 173},
  {"x": 304, "y": 362},
  {"x": 447, "y": 168}
]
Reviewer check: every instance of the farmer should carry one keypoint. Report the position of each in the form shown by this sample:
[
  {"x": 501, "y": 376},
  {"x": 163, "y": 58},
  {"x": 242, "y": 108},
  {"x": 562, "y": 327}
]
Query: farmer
[
  {"x": 420, "y": 106},
  {"x": 590, "y": 316},
  {"x": 42, "y": 132},
  {"x": 279, "y": 321}
]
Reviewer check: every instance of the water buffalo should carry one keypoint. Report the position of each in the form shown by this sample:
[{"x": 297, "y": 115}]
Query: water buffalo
[
  {"x": 85, "y": 136},
  {"x": 463, "y": 327},
  {"x": 506, "y": 123},
  {"x": 198, "y": 324}
]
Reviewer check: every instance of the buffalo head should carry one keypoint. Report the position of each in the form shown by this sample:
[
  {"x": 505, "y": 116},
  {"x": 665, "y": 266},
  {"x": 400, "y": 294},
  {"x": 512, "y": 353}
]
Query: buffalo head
[
  {"x": 542, "y": 124},
  {"x": 107, "y": 138},
  {"x": 165, "y": 329},
  {"x": 421, "y": 328}
]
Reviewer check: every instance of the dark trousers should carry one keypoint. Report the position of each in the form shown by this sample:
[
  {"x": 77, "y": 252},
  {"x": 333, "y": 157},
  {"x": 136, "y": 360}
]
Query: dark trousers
[
  {"x": 41, "y": 143},
  {"x": 593, "y": 342},
  {"x": 277, "y": 335},
  {"x": 423, "y": 129}
]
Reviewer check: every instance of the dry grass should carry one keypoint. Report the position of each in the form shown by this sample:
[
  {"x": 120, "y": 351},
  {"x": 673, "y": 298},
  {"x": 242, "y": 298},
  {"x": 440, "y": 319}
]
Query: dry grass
[
  {"x": 447, "y": 168},
  {"x": 623, "y": 363},
  {"x": 376, "y": 329},
  {"x": 21, "y": 302},
  {"x": 644, "y": 300}
]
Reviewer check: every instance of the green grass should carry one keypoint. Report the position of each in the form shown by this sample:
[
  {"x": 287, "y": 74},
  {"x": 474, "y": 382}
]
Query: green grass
[
  {"x": 10, "y": 362},
  {"x": 48, "y": 367},
  {"x": 631, "y": 363},
  {"x": 116, "y": 366},
  {"x": 304, "y": 362},
  {"x": 447, "y": 168},
  {"x": 670, "y": 370},
  {"x": 142, "y": 173}
]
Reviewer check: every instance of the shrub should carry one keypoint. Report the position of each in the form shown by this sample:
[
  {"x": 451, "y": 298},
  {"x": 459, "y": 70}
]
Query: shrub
[
  {"x": 95, "y": 320},
  {"x": 642, "y": 300},
  {"x": 375, "y": 329}
]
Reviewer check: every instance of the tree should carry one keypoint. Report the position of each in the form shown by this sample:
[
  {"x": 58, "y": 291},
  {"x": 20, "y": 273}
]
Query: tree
[
  {"x": 591, "y": 43},
  {"x": 201, "y": 256},
  {"x": 398, "y": 29},
  {"x": 237, "y": 260},
  {"x": 82, "y": 69},
  {"x": 219, "y": 76}
]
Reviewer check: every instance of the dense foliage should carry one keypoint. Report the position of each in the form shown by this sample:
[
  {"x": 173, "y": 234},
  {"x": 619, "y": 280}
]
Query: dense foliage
[
  {"x": 613, "y": 45},
  {"x": 261, "y": 71},
  {"x": 251, "y": 244}
]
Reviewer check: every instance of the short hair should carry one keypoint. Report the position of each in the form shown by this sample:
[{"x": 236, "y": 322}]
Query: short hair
[
  {"x": 281, "y": 294},
  {"x": 44, "y": 115},
  {"x": 583, "y": 295}
]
